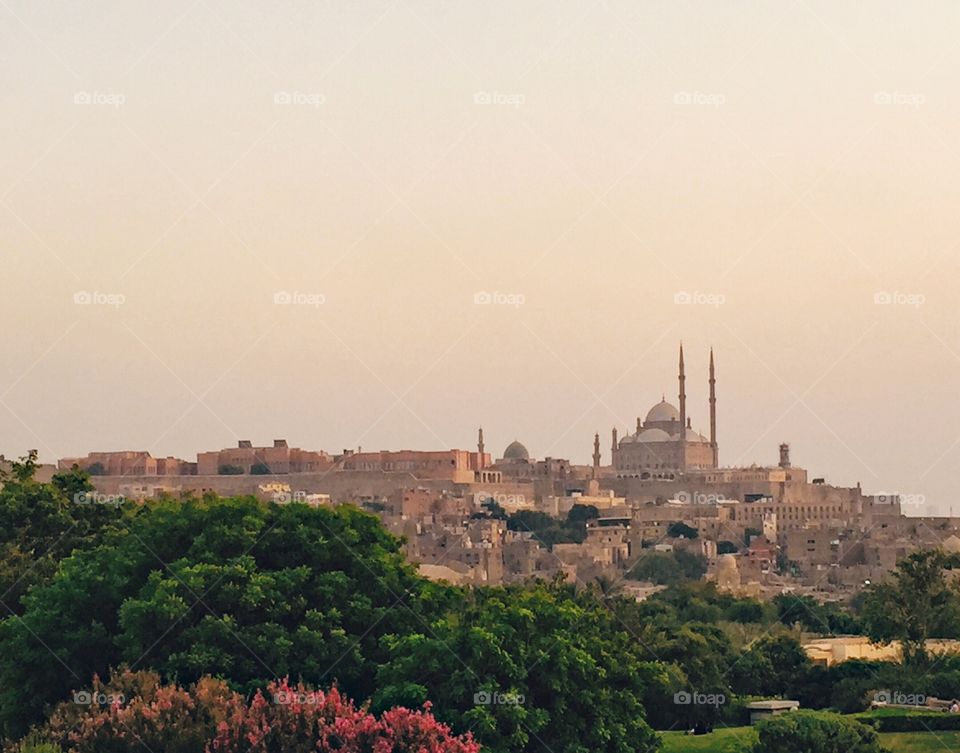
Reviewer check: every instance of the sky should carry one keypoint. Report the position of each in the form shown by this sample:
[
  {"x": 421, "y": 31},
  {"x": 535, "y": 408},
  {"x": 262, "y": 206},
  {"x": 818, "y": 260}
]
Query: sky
[{"x": 383, "y": 224}]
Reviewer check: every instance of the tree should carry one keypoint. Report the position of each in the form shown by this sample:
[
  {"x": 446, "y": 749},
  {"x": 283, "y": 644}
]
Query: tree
[
  {"x": 582, "y": 513},
  {"x": 230, "y": 470},
  {"x": 726, "y": 547},
  {"x": 243, "y": 589},
  {"x": 96, "y": 469},
  {"x": 681, "y": 530},
  {"x": 43, "y": 523},
  {"x": 666, "y": 568},
  {"x": 805, "y": 731},
  {"x": 260, "y": 469},
  {"x": 771, "y": 666},
  {"x": 528, "y": 668},
  {"x": 916, "y": 604}
]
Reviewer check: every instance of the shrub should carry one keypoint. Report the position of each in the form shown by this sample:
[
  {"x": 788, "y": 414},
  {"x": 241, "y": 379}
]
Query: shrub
[
  {"x": 210, "y": 718},
  {"x": 804, "y": 731}
]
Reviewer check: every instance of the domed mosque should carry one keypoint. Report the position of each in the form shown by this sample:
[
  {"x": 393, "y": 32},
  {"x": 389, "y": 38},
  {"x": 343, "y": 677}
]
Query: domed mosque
[
  {"x": 665, "y": 443},
  {"x": 516, "y": 453}
]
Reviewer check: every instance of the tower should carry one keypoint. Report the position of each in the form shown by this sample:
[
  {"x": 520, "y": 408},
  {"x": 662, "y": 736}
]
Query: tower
[
  {"x": 713, "y": 412},
  {"x": 683, "y": 415},
  {"x": 613, "y": 448},
  {"x": 596, "y": 455},
  {"x": 784, "y": 455},
  {"x": 480, "y": 444}
]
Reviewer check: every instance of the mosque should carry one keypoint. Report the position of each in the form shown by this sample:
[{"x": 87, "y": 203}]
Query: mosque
[{"x": 665, "y": 442}]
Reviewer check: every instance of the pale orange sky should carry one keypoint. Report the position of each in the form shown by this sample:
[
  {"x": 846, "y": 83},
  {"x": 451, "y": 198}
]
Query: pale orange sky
[{"x": 786, "y": 164}]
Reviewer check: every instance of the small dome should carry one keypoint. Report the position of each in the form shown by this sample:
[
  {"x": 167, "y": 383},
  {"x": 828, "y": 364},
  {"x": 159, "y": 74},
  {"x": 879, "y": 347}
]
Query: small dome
[
  {"x": 693, "y": 436},
  {"x": 516, "y": 451},
  {"x": 662, "y": 412},
  {"x": 653, "y": 435}
]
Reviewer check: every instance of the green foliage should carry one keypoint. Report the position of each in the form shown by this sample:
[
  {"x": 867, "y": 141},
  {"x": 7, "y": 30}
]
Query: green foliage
[
  {"x": 528, "y": 668},
  {"x": 236, "y": 588},
  {"x": 260, "y": 469},
  {"x": 827, "y": 619},
  {"x": 96, "y": 469},
  {"x": 727, "y": 547},
  {"x": 808, "y": 731},
  {"x": 228, "y": 469},
  {"x": 771, "y": 665},
  {"x": 668, "y": 568},
  {"x": 681, "y": 530},
  {"x": 41, "y": 524},
  {"x": 916, "y": 604},
  {"x": 549, "y": 530}
]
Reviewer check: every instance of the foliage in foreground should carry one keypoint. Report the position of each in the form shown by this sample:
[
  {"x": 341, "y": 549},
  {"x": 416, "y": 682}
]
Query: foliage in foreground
[{"x": 142, "y": 714}]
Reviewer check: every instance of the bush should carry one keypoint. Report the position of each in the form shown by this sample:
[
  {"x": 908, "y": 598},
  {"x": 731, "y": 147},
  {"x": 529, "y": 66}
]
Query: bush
[
  {"x": 211, "y": 718},
  {"x": 805, "y": 731},
  {"x": 912, "y": 721}
]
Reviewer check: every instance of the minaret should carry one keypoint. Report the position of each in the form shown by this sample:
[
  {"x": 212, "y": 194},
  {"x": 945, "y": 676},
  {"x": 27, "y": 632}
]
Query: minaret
[
  {"x": 683, "y": 415},
  {"x": 596, "y": 455},
  {"x": 480, "y": 445},
  {"x": 713, "y": 412},
  {"x": 614, "y": 448}
]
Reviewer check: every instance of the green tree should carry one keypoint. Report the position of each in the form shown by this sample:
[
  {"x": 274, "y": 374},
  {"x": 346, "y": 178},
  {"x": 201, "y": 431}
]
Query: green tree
[
  {"x": 41, "y": 524},
  {"x": 914, "y": 605},
  {"x": 230, "y": 470},
  {"x": 681, "y": 530},
  {"x": 242, "y": 589},
  {"x": 666, "y": 568},
  {"x": 528, "y": 668},
  {"x": 260, "y": 469}
]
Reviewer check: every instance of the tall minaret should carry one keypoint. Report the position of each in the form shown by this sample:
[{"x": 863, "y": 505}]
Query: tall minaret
[
  {"x": 614, "y": 448},
  {"x": 683, "y": 414},
  {"x": 713, "y": 412},
  {"x": 596, "y": 455},
  {"x": 480, "y": 444}
]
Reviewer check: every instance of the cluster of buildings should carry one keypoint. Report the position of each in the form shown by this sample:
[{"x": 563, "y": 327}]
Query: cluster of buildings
[{"x": 762, "y": 530}]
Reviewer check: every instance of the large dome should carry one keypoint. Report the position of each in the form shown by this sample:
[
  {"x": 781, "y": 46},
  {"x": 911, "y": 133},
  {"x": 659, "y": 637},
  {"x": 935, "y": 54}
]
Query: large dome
[
  {"x": 516, "y": 451},
  {"x": 653, "y": 435},
  {"x": 663, "y": 412}
]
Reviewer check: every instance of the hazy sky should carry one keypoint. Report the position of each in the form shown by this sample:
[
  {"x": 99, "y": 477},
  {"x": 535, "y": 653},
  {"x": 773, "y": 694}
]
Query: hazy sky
[{"x": 786, "y": 167}]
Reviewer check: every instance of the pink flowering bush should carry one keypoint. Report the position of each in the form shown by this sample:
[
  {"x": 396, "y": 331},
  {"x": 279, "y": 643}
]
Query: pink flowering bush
[{"x": 139, "y": 714}]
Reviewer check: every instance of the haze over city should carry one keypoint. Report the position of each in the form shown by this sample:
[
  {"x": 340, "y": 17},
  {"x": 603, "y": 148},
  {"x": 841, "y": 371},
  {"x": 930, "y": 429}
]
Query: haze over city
[{"x": 385, "y": 224}]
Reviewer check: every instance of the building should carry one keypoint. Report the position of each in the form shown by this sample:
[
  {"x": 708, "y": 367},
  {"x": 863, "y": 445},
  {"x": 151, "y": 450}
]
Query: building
[
  {"x": 458, "y": 466},
  {"x": 128, "y": 463},
  {"x": 247, "y": 459},
  {"x": 665, "y": 442}
]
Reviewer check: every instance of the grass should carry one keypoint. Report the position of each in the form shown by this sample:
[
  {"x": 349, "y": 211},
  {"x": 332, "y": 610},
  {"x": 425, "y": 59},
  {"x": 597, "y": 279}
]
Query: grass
[{"x": 739, "y": 739}]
